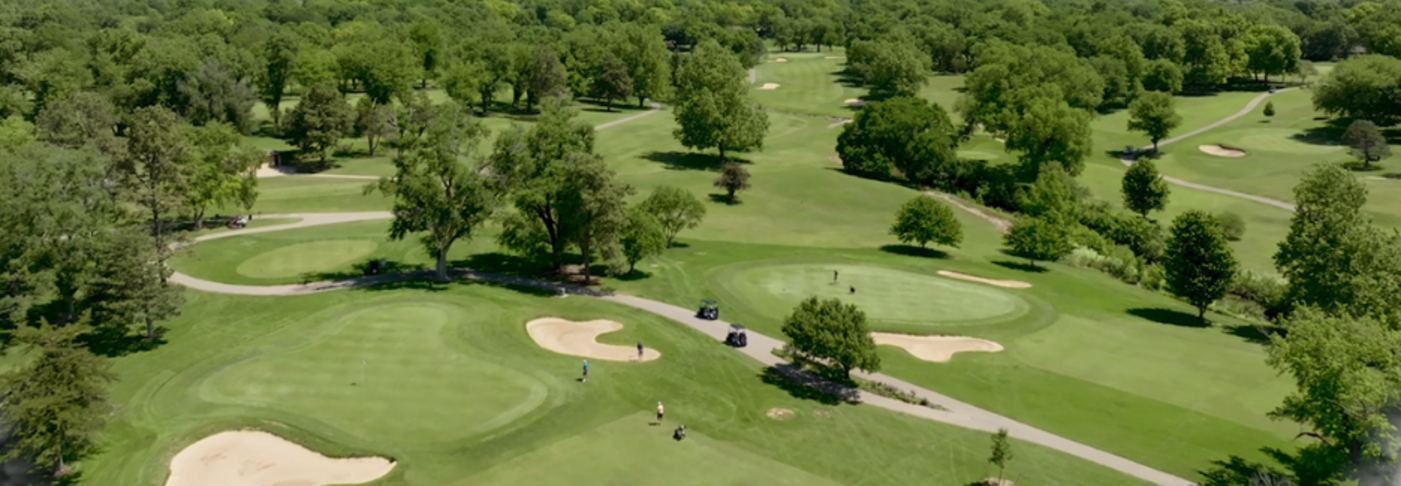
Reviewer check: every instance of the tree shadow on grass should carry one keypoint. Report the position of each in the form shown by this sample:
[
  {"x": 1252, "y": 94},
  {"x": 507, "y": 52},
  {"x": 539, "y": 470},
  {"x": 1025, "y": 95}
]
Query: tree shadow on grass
[
  {"x": 1330, "y": 133},
  {"x": 691, "y": 160},
  {"x": 359, "y": 270},
  {"x": 1020, "y": 267},
  {"x": 849, "y": 79},
  {"x": 1254, "y": 333},
  {"x": 115, "y": 342},
  {"x": 504, "y": 263},
  {"x": 915, "y": 251},
  {"x": 805, "y": 385},
  {"x": 417, "y": 281},
  {"x": 633, "y": 275},
  {"x": 524, "y": 289},
  {"x": 1396, "y": 176},
  {"x": 724, "y": 199},
  {"x": 1169, "y": 317}
]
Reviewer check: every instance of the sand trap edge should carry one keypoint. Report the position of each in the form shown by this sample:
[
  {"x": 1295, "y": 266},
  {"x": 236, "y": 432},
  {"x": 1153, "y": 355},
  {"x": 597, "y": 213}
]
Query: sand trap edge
[
  {"x": 1220, "y": 150},
  {"x": 854, "y": 102},
  {"x": 580, "y": 338},
  {"x": 1008, "y": 284},
  {"x": 191, "y": 466},
  {"x": 768, "y": 86},
  {"x": 935, "y": 348}
]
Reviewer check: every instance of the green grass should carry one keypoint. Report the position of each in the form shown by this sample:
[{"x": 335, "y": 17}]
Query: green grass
[
  {"x": 456, "y": 393},
  {"x": 310, "y": 254},
  {"x": 890, "y": 296}
]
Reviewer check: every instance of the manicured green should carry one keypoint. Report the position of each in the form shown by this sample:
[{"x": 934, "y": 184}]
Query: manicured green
[
  {"x": 456, "y": 393},
  {"x": 295, "y": 260}
]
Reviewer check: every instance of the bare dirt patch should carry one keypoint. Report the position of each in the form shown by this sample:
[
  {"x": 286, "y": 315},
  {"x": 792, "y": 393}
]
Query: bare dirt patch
[
  {"x": 1001, "y": 224},
  {"x": 244, "y": 457},
  {"x": 1011, "y": 284},
  {"x": 855, "y": 102},
  {"x": 1221, "y": 150},
  {"x": 581, "y": 339},
  {"x": 938, "y": 349},
  {"x": 779, "y": 413},
  {"x": 769, "y": 86}
]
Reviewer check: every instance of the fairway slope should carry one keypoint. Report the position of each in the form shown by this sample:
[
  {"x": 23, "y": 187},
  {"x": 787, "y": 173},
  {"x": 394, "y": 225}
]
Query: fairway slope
[
  {"x": 244, "y": 457},
  {"x": 938, "y": 349},
  {"x": 581, "y": 339},
  {"x": 1011, "y": 284}
]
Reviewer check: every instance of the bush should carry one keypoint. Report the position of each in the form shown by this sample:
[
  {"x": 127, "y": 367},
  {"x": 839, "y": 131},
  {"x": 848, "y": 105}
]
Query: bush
[
  {"x": 1085, "y": 237},
  {"x": 1265, "y": 290},
  {"x": 1232, "y": 225},
  {"x": 1120, "y": 262},
  {"x": 1142, "y": 236}
]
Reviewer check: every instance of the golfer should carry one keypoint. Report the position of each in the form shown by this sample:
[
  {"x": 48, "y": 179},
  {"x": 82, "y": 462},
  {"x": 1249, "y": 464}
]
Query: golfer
[
  {"x": 834, "y": 276},
  {"x": 853, "y": 289},
  {"x": 659, "y": 412},
  {"x": 639, "y": 350},
  {"x": 586, "y": 371}
]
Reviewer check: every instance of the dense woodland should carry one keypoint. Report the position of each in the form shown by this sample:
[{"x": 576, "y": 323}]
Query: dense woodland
[{"x": 122, "y": 124}]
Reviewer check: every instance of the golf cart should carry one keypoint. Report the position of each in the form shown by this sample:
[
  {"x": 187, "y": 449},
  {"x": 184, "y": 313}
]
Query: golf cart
[
  {"x": 374, "y": 267},
  {"x": 736, "y": 336},
  {"x": 708, "y": 310}
]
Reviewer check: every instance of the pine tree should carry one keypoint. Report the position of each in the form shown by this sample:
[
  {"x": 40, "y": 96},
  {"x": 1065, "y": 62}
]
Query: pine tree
[{"x": 55, "y": 406}]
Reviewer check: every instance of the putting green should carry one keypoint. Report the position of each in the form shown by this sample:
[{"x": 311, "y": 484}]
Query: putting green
[
  {"x": 887, "y": 295},
  {"x": 1273, "y": 140},
  {"x": 302, "y": 258},
  {"x": 412, "y": 384},
  {"x": 591, "y": 458}
]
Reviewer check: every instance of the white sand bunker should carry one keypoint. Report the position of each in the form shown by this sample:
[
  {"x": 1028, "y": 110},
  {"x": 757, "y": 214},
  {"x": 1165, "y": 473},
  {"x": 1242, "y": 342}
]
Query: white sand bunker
[
  {"x": 781, "y": 59},
  {"x": 769, "y": 86},
  {"x": 1221, "y": 150},
  {"x": 935, "y": 348},
  {"x": 1011, "y": 284},
  {"x": 580, "y": 339},
  {"x": 256, "y": 458},
  {"x": 855, "y": 102}
]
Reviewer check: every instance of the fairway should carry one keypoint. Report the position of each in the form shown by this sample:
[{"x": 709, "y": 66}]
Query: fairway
[
  {"x": 887, "y": 295},
  {"x": 294, "y": 260}
]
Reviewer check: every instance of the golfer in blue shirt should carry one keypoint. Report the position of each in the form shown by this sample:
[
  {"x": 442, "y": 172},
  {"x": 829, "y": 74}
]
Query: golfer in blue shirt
[{"x": 586, "y": 371}]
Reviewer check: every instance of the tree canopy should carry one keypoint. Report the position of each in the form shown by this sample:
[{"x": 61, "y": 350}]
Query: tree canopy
[
  {"x": 834, "y": 332},
  {"x": 903, "y": 135},
  {"x": 1144, "y": 190},
  {"x": 675, "y": 209},
  {"x": 1199, "y": 263},
  {"x": 712, "y": 106},
  {"x": 923, "y": 219},
  {"x": 1153, "y": 114}
]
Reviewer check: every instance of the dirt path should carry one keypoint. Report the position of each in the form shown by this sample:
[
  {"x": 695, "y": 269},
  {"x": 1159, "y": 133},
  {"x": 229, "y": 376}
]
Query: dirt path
[
  {"x": 760, "y": 347},
  {"x": 1249, "y": 107},
  {"x": 1002, "y": 225}
]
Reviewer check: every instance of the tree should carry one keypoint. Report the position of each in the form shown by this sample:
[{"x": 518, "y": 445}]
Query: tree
[
  {"x": 1198, "y": 262},
  {"x": 155, "y": 173},
  {"x": 532, "y": 164},
  {"x": 1037, "y": 239},
  {"x": 278, "y": 54},
  {"x": 713, "y": 108},
  {"x": 468, "y": 80},
  {"x": 15, "y": 133},
  {"x": 1366, "y": 142},
  {"x": 85, "y": 118},
  {"x": 907, "y": 134},
  {"x": 1232, "y": 225},
  {"x": 592, "y": 208},
  {"x": 613, "y": 82},
  {"x": 832, "y": 331},
  {"x": 313, "y": 65},
  {"x": 922, "y": 220},
  {"x": 389, "y": 70},
  {"x": 545, "y": 76},
  {"x": 643, "y": 49},
  {"x": 319, "y": 120},
  {"x": 1001, "y": 452},
  {"x": 892, "y": 67},
  {"x": 373, "y": 121},
  {"x": 434, "y": 192},
  {"x": 55, "y": 405},
  {"x": 1362, "y": 88},
  {"x": 1154, "y": 115},
  {"x": 1347, "y": 373},
  {"x": 212, "y": 94},
  {"x": 1054, "y": 195},
  {"x": 1049, "y": 130},
  {"x": 1273, "y": 49},
  {"x": 1143, "y": 188},
  {"x": 222, "y": 170},
  {"x": 1269, "y": 109},
  {"x": 1162, "y": 75},
  {"x": 733, "y": 178},
  {"x": 128, "y": 287},
  {"x": 675, "y": 209},
  {"x": 1332, "y": 258},
  {"x": 428, "y": 45},
  {"x": 642, "y": 237}
]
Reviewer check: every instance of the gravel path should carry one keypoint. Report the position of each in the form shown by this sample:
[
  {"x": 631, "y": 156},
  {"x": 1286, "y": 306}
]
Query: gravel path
[{"x": 1249, "y": 107}]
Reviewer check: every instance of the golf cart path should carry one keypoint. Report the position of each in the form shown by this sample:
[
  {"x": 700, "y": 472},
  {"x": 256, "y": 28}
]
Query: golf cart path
[
  {"x": 1249, "y": 107},
  {"x": 760, "y": 347}
]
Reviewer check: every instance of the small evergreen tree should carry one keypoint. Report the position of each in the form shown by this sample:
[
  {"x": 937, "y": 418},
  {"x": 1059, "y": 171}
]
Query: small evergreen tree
[
  {"x": 1269, "y": 109},
  {"x": 55, "y": 405},
  {"x": 319, "y": 120}
]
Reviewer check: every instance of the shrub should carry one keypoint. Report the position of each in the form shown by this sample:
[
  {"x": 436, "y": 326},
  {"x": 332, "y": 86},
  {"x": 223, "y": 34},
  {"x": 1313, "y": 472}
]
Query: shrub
[
  {"x": 1120, "y": 262},
  {"x": 1232, "y": 225},
  {"x": 1265, "y": 290},
  {"x": 1142, "y": 236}
]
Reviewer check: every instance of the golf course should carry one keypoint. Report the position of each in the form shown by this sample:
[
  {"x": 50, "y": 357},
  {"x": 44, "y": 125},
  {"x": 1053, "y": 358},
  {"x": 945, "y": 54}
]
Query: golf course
[{"x": 414, "y": 243}]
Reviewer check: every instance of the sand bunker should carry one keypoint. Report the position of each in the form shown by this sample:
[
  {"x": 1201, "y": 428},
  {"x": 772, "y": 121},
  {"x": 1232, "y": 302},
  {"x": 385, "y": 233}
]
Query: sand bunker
[
  {"x": 769, "y": 86},
  {"x": 855, "y": 102},
  {"x": 1011, "y": 284},
  {"x": 1221, "y": 151},
  {"x": 779, "y": 413},
  {"x": 250, "y": 457},
  {"x": 935, "y": 348},
  {"x": 781, "y": 59},
  {"x": 580, "y": 339}
]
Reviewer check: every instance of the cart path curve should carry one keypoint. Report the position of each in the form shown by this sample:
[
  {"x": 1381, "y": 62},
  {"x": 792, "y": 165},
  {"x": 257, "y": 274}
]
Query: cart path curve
[
  {"x": 1203, "y": 187},
  {"x": 760, "y": 347}
]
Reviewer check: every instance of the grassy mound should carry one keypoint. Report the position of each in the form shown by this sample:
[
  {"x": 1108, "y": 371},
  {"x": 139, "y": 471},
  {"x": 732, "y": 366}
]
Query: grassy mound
[{"x": 315, "y": 256}]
